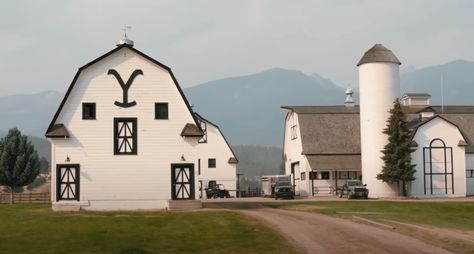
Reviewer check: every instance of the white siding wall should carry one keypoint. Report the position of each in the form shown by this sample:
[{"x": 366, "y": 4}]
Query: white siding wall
[
  {"x": 111, "y": 181},
  {"x": 438, "y": 128},
  {"x": 470, "y": 181},
  {"x": 292, "y": 152},
  {"x": 224, "y": 173}
]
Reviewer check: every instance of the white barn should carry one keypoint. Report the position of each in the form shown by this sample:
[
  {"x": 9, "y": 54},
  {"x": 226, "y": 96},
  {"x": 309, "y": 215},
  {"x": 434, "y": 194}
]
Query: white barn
[
  {"x": 324, "y": 146},
  {"x": 124, "y": 137}
]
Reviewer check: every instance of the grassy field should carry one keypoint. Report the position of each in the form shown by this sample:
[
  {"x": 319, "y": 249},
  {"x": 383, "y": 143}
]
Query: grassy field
[
  {"x": 455, "y": 215},
  {"x": 36, "y": 229}
]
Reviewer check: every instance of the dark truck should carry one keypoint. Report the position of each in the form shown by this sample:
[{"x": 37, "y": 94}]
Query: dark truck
[
  {"x": 283, "y": 189},
  {"x": 354, "y": 189}
]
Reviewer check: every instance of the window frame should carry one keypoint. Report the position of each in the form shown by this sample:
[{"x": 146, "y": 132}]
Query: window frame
[
  {"x": 203, "y": 125},
  {"x": 134, "y": 136},
  {"x": 94, "y": 107},
  {"x": 157, "y": 104},
  {"x": 211, "y": 165}
]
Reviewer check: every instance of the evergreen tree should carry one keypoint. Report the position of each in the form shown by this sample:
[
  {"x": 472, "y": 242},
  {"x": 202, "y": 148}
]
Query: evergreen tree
[
  {"x": 397, "y": 153},
  {"x": 19, "y": 163}
]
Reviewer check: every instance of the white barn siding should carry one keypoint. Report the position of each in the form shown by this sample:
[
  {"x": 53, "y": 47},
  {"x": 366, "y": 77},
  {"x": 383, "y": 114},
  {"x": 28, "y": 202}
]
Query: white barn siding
[
  {"x": 292, "y": 149},
  {"x": 111, "y": 181},
  {"x": 224, "y": 173},
  {"x": 449, "y": 133}
]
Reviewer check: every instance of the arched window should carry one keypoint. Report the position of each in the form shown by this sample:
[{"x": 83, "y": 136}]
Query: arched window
[{"x": 438, "y": 168}]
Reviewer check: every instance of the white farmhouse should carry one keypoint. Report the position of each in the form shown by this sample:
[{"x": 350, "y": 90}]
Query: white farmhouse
[
  {"x": 125, "y": 137},
  {"x": 324, "y": 146}
]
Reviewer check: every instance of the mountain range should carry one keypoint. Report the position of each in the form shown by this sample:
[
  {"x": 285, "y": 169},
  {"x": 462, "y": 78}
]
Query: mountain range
[{"x": 247, "y": 108}]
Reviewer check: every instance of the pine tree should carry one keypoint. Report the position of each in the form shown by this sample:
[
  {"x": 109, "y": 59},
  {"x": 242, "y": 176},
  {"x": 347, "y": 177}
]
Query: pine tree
[
  {"x": 397, "y": 153},
  {"x": 19, "y": 163}
]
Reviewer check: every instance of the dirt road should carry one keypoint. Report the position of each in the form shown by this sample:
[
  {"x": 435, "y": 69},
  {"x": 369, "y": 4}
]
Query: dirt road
[{"x": 317, "y": 233}]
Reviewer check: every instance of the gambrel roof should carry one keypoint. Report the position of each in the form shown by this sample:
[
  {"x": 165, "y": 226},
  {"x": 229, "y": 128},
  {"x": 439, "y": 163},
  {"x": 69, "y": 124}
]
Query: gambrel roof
[{"x": 54, "y": 126}]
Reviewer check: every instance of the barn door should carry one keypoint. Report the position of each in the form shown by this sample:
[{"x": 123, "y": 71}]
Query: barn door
[
  {"x": 182, "y": 181},
  {"x": 67, "y": 182}
]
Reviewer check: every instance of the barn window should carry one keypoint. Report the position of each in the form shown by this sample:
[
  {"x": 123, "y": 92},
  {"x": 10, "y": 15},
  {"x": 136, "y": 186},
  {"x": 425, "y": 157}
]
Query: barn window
[
  {"x": 88, "y": 111},
  {"x": 125, "y": 136},
  {"x": 294, "y": 128},
  {"x": 303, "y": 176},
  {"x": 161, "y": 110},
  {"x": 211, "y": 163},
  {"x": 204, "y": 129}
]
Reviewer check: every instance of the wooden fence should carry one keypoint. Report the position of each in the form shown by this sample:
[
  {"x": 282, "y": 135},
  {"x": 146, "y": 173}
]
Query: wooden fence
[{"x": 25, "y": 198}]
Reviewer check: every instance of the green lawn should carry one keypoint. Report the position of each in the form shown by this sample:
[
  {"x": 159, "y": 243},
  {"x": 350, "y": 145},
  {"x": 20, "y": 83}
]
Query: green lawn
[
  {"x": 456, "y": 215},
  {"x": 36, "y": 229}
]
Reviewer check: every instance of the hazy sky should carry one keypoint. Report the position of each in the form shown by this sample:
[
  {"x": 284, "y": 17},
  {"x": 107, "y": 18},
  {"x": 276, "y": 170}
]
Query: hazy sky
[{"x": 45, "y": 42}]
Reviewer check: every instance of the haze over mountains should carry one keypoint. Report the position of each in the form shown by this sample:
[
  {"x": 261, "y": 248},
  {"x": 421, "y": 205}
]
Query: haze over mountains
[{"x": 247, "y": 108}]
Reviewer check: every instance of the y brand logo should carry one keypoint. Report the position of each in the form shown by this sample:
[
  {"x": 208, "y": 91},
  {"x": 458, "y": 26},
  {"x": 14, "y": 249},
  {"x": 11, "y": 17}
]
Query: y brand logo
[{"x": 125, "y": 87}]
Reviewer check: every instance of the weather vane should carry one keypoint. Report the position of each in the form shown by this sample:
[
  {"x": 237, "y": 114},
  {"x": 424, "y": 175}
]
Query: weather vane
[{"x": 125, "y": 28}]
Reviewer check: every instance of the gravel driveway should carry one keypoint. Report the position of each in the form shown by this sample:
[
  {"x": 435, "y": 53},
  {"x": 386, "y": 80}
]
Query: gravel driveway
[{"x": 317, "y": 233}]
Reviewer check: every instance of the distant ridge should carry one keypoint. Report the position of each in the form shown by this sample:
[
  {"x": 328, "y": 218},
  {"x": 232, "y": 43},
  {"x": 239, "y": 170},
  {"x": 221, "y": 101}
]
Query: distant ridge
[{"x": 248, "y": 107}]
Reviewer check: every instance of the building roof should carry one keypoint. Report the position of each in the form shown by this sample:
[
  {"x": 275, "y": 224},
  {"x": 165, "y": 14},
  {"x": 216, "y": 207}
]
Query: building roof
[
  {"x": 119, "y": 47},
  {"x": 338, "y": 129},
  {"x": 191, "y": 130},
  {"x": 378, "y": 53},
  {"x": 334, "y": 162},
  {"x": 417, "y": 95},
  {"x": 323, "y": 109},
  {"x": 58, "y": 131}
]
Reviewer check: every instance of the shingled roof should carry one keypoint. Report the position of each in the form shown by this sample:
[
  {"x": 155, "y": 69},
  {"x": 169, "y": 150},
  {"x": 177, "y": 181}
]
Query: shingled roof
[
  {"x": 338, "y": 127},
  {"x": 378, "y": 53}
]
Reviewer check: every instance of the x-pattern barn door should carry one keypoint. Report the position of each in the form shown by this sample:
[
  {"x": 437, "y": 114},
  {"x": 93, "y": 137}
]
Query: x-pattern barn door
[
  {"x": 182, "y": 181},
  {"x": 67, "y": 182}
]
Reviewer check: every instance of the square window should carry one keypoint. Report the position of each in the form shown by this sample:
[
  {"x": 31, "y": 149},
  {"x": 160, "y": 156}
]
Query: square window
[
  {"x": 211, "y": 163},
  {"x": 161, "y": 110},
  {"x": 303, "y": 176},
  {"x": 88, "y": 111}
]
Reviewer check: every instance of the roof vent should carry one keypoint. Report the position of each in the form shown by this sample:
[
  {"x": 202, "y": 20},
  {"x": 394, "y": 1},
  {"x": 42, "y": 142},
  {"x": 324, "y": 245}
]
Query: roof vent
[
  {"x": 125, "y": 40},
  {"x": 349, "y": 102}
]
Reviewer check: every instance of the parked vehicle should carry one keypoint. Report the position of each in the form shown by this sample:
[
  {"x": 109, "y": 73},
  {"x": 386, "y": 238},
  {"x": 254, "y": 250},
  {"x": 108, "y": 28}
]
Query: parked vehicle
[
  {"x": 217, "y": 191},
  {"x": 283, "y": 189},
  {"x": 269, "y": 182},
  {"x": 353, "y": 189}
]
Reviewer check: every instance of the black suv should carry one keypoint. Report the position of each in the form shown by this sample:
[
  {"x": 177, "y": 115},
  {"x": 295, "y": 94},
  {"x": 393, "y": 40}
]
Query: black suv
[{"x": 284, "y": 189}]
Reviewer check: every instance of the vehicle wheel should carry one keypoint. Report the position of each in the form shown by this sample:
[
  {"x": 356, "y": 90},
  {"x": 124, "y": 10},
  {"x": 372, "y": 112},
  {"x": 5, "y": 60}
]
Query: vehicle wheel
[
  {"x": 292, "y": 197},
  {"x": 276, "y": 198},
  {"x": 366, "y": 196}
]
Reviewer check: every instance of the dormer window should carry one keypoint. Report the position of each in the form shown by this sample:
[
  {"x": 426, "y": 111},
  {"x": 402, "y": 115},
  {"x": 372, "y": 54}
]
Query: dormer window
[
  {"x": 161, "y": 110},
  {"x": 88, "y": 111}
]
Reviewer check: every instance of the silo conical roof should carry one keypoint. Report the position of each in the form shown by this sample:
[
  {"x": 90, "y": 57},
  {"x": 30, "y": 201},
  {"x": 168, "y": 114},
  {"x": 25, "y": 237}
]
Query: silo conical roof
[{"x": 378, "y": 54}]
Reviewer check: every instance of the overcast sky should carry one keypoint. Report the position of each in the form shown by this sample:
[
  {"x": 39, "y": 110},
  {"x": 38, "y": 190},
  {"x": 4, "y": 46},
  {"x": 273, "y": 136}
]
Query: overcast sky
[{"x": 43, "y": 43}]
